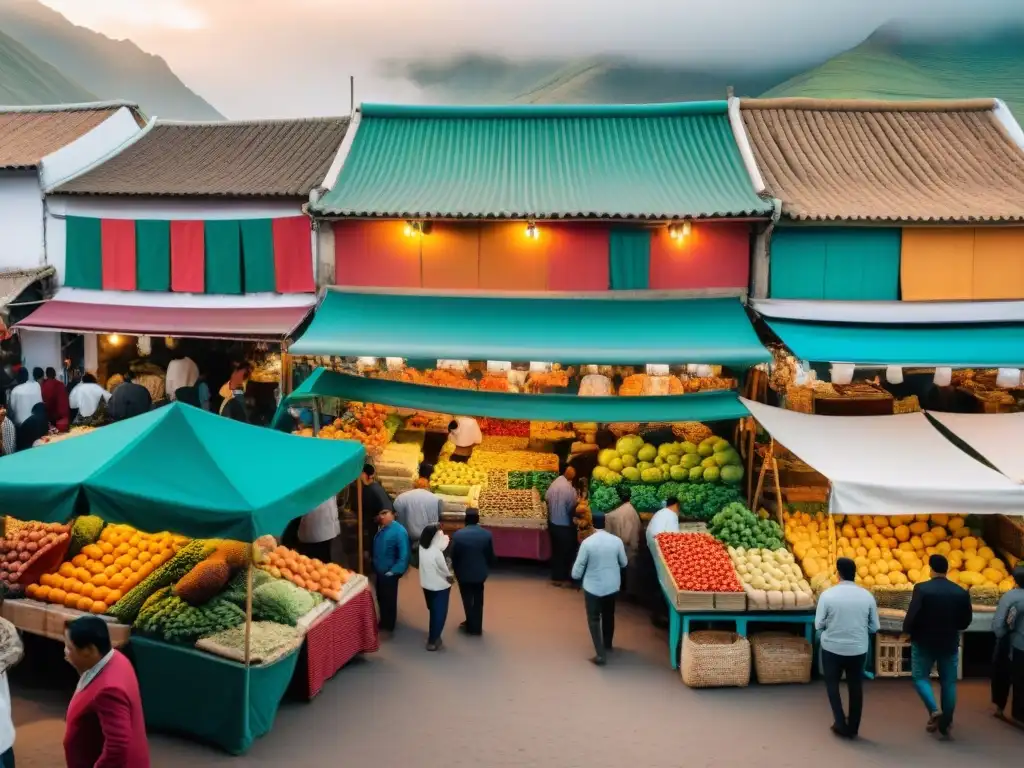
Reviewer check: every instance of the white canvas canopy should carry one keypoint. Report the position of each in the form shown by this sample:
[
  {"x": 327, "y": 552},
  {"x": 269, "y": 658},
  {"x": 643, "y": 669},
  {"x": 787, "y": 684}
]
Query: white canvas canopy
[
  {"x": 891, "y": 465},
  {"x": 999, "y": 437}
]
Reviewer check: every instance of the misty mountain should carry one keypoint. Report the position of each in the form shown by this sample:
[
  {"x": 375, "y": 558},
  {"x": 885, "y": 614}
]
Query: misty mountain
[
  {"x": 476, "y": 78},
  {"x": 104, "y": 68},
  {"x": 898, "y": 63},
  {"x": 27, "y": 79}
]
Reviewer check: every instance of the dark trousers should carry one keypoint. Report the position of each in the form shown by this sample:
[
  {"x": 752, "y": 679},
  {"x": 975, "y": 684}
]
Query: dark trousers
[
  {"x": 563, "y": 551},
  {"x": 833, "y": 667},
  {"x": 1007, "y": 675},
  {"x": 387, "y": 599},
  {"x": 437, "y": 605},
  {"x": 601, "y": 620},
  {"x": 647, "y": 572},
  {"x": 473, "y": 604},
  {"x": 318, "y": 550},
  {"x": 7, "y": 759}
]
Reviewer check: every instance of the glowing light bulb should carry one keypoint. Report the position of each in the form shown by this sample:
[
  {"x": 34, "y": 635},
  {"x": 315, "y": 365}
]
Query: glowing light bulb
[{"x": 532, "y": 231}]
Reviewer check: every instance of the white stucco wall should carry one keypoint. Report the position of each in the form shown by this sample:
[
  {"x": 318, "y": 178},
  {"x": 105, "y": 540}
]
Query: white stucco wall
[
  {"x": 40, "y": 348},
  {"x": 21, "y": 220},
  {"x": 58, "y": 207},
  {"x": 101, "y": 142}
]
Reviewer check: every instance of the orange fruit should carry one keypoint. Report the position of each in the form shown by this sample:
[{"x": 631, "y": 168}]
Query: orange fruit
[
  {"x": 100, "y": 593},
  {"x": 299, "y": 582},
  {"x": 129, "y": 584},
  {"x": 146, "y": 569},
  {"x": 72, "y": 585},
  {"x": 133, "y": 553},
  {"x": 286, "y": 573},
  {"x": 107, "y": 560},
  {"x": 107, "y": 547},
  {"x": 121, "y": 548},
  {"x": 87, "y": 590},
  {"x": 57, "y": 581},
  {"x": 134, "y": 566},
  {"x": 145, "y": 557},
  {"x": 82, "y": 574},
  {"x": 116, "y": 581},
  {"x": 44, "y": 580},
  {"x": 134, "y": 540},
  {"x": 67, "y": 570},
  {"x": 42, "y": 593},
  {"x": 79, "y": 560},
  {"x": 70, "y": 600},
  {"x": 98, "y": 606},
  {"x": 92, "y": 551},
  {"x": 113, "y": 597},
  {"x": 95, "y": 566},
  {"x": 84, "y": 604},
  {"x": 57, "y": 596},
  {"x": 31, "y": 590},
  {"x": 123, "y": 561},
  {"x": 100, "y": 579}
]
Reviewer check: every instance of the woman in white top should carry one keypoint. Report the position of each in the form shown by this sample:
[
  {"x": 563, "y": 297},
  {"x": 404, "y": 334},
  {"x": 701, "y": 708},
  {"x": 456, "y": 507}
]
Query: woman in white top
[
  {"x": 86, "y": 397},
  {"x": 436, "y": 580}
]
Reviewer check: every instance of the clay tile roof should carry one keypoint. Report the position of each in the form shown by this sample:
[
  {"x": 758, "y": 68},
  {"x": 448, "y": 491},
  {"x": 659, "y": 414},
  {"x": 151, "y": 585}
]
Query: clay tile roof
[
  {"x": 28, "y": 134},
  {"x": 266, "y": 158},
  {"x": 925, "y": 161}
]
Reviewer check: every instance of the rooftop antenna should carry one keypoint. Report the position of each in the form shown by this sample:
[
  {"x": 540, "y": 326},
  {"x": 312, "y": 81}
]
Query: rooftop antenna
[{"x": 351, "y": 95}]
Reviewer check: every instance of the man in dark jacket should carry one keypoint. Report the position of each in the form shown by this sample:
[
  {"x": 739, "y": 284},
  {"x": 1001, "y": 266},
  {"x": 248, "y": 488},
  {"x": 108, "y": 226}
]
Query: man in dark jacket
[
  {"x": 129, "y": 399},
  {"x": 375, "y": 501},
  {"x": 390, "y": 561},
  {"x": 939, "y": 611},
  {"x": 472, "y": 558}
]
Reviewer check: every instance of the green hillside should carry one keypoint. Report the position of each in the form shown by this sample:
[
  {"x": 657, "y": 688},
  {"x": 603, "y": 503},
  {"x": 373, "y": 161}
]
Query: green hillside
[
  {"x": 891, "y": 65},
  {"x": 27, "y": 79}
]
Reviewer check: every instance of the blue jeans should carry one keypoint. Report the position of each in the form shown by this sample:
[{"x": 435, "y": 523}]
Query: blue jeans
[
  {"x": 922, "y": 659},
  {"x": 437, "y": 604}
]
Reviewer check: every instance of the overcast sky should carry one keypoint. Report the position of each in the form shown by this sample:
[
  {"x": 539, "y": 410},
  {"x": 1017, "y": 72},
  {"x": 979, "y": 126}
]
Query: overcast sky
[{"x": 252, "y": 58}]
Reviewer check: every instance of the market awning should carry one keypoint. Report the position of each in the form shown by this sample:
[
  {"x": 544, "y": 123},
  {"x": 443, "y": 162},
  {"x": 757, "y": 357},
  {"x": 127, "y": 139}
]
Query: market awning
[
  {"x": 700, "y": 406},
  {"x": 890, "y": 465},
  {"x": 181, "y": 469},
  {"x": 995, "y": 436},
  {"x": 572, "y": 330},
  {"x": 141, "y": 314}
]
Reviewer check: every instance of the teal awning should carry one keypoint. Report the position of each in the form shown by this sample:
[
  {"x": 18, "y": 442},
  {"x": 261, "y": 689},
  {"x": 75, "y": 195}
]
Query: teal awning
[
  {"x": 963, "y": 345},
  {"x": 565, "y": 330},
  {"x": 179, "y": 469},
  {"x": 701, "y": 406}
]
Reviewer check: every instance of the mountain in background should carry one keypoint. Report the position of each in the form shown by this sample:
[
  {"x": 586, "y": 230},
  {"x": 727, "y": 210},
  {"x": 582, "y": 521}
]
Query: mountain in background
[
  {"x": 899, "y": 63},
  {"x": 595, "y": 80},
  {"x": 27, "y": 79},
  {"x": 102, "y": 68}
]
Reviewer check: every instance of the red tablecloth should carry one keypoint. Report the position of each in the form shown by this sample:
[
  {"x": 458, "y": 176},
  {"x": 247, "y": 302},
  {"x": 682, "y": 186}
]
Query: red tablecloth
[
  {"x": 525, "y": 543},
  {"x": 337, "y": 638}
]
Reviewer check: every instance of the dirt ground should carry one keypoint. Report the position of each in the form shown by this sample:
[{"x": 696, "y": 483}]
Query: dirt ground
[{"x": 524, "y": 695}]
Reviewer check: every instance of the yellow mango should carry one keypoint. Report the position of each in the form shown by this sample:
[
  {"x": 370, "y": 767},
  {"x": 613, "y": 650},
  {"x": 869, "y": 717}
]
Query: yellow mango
[
  {"x": 940, "y": 519},
  {"x": 939, "y": 533},
  {"x": 918, "y": 528},
  {"x": 955, "y": 524},
  {"x": 986, "y": 552},
  {"x": 975, "y": 564}
]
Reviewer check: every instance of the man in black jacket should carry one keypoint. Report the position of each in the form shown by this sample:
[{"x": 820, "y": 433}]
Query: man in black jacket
[
  {"x": 939, "y": 611},
  {"x": 472, "y": 558}
]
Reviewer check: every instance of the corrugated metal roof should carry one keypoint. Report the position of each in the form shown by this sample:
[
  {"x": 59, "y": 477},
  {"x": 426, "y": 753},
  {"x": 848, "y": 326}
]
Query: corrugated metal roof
[
  {"x": 28, "y": 134},
  {"x": 919, "y": 161},
  {"x": 659, "y": 161},
  {"x": 261, "y": 158}
]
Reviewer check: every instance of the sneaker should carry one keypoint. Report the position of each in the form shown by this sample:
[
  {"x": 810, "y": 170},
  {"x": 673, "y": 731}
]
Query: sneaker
[{"x": 933, "y": 722}]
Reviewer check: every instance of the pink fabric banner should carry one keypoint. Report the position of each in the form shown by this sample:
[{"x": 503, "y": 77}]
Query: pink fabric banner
[
  {"x": 577, "y": 256},
  {"x": 711, "y": 256}
]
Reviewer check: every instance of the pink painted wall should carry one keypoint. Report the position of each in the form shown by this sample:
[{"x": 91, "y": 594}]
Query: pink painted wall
[
  {"x": 498, "y": 256},
  {"x": 711, "y": 256}
]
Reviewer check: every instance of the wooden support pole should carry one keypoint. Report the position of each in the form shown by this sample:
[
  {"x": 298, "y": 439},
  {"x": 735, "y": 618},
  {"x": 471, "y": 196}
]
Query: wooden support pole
[
  {"x": 359, "y": 519},
  {"x": 248, "y": 601}
]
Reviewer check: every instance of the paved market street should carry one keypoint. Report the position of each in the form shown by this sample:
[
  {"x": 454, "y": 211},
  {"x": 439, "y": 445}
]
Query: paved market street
[{"x": 524, "y": 695}]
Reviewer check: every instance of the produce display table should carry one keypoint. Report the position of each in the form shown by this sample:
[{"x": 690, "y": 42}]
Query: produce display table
[
  {"x": 334, "y": 640},
  {"x": 204, "y": 697},
  {"x": 679, "y": 624},
  {"x": 524, "y": 543},
  {"x": 980, "y": 622}
]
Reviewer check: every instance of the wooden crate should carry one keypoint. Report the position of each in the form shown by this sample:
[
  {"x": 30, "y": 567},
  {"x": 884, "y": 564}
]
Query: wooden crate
[
  {"x": 892, "y": 657},
  {"x": 697, "y": 602}
]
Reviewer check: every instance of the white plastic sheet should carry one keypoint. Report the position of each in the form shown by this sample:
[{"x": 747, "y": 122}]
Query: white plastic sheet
[
  {"x": 999, "y": 437},
  {"x": 890, "y": 465}
]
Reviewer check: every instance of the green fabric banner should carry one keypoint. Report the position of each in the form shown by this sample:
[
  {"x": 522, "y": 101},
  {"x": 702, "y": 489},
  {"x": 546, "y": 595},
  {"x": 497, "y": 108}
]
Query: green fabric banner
[
  {"x": 223, "y": 257},
  {"x": 701, "y": 406},
  {"x": 629, "y": 259},
  {"x": 153, "y": 255},
  {"x": 83, "y": 266},
  {"x": 258, "y": 255},
  {"x": 836, "y": 263}
]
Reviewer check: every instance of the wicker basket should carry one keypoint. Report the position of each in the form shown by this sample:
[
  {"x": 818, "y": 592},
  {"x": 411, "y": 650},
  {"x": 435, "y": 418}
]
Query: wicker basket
[
  {"x": 909, "y": 404},
  {"x": 625, "y": 428},
  {"x": 800, "y": 399},
  {"x": 893, "y": 599},
  {"x": 714, "y": 659},
  {"x": 694, "y": 431},
  {"x": 780, "y": 657}
]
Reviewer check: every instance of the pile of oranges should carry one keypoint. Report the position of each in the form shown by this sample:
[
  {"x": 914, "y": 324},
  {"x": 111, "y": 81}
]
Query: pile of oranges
[
  {"x": 305, "y": 572},
  {"x": 103, "y": 572}
]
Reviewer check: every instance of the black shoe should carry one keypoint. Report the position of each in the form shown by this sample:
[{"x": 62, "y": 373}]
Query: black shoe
[
  {"x": 464, "y": 627},
  {"x": 840, "y": 731},
  {"x": 599, "y": 661}
]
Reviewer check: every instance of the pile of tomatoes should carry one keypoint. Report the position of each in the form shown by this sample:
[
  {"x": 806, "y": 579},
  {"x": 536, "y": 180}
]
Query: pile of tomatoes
[
  {"x": 504, "y": 427},
  {"x": 698, "y": 562}
]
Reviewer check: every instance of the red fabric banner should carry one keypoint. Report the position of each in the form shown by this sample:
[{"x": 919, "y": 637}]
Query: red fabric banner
[
  {"x": 188, "y": 256},
  {"x": 118, "y": 238},
  {"x": 293, "y": 255}
]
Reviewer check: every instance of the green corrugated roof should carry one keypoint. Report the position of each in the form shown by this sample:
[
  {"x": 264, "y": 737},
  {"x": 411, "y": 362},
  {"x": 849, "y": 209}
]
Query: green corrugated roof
[{"x": 652, "y": 161}]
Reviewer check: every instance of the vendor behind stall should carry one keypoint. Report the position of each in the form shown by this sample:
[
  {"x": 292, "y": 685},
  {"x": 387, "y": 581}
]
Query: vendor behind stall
[{"x": 465, "y": 433}]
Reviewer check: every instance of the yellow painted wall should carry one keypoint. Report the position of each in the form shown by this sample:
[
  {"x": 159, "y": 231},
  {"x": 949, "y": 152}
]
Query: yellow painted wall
[{"x": 952, "y": 263}]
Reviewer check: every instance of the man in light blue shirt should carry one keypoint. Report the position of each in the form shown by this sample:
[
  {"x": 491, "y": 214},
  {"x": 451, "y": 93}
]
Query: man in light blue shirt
[
  {"x": 415, "y": 510},
  {"x": 599, "y": 564},
  {"x": 846, "y": 617},
  {"x": 561, "y": 499}
]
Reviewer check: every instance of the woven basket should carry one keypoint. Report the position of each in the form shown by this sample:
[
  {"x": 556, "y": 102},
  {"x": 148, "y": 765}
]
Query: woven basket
[
  {"x": 714, "y": 659},
  {"x": 893, "y": 599},
  {"x": 694, "y": 431},
  {"x": 909, "y": 404},
  {"x": 625, "y": 428},
  {"x": 799, "y": 399},
  {"x": 780, "y": 657}
]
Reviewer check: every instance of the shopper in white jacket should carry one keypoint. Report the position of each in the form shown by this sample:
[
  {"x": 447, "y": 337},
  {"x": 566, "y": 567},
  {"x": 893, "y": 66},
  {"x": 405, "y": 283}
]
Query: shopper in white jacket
[{"x": 436, "y": 580}]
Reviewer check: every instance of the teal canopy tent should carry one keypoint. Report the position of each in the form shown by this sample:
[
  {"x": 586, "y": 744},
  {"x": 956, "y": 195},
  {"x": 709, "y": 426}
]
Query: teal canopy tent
[
  {"x": 701, "y": 406},
  {"x": 180, "y": 469},
  {"x": 571, "y": 330}
]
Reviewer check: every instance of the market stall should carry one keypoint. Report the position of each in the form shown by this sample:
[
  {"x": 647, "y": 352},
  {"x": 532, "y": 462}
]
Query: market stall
[{"x": 164, "y": 525}]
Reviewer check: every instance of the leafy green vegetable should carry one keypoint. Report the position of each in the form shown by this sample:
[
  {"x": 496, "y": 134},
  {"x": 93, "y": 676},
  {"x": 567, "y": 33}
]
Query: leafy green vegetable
[
  {"x": 176, "y": 621},
  {"x": 645, "y": 498},
  {"x": 703, "y": 501},
  {"x": 737, "y": 526},
  {"x": 524, "y": 481},
  {"x": 603, "y": 498},
  {"x": 281, "y": 601}
]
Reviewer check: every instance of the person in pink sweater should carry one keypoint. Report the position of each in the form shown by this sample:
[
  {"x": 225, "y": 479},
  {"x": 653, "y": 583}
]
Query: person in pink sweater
[{"x": 105, "y": 726}]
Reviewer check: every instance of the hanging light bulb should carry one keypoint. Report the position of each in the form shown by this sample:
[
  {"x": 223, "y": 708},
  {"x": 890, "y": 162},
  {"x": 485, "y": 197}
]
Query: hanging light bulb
[
  {"x": 531, "y": 230},
  {"x": 679, "y": 232},
  {"x": 114, "y": 340},
  {"x": 144, "y": 344}
]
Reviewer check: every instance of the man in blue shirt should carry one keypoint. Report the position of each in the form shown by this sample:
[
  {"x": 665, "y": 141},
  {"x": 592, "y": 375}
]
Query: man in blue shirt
[
  {"x": 599, "y": 564},
  {"x": 390, "y": 561},
  {"x": 472, "y": 560},
  {"x": 846, "y": 616},
  {"x": 561, "y": 499}
]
